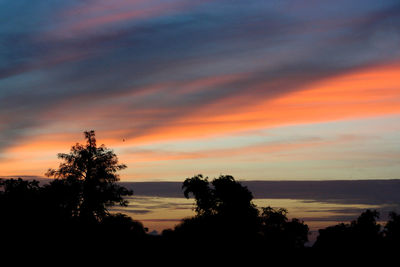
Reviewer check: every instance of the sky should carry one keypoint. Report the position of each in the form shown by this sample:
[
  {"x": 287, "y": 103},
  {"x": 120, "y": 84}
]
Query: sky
[{"x": 261, "y": 90}]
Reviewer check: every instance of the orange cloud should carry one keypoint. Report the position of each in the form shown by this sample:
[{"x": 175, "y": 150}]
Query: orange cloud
[
  {"x": 361, "y": 94},
  {"x": 366, "y": 93}
]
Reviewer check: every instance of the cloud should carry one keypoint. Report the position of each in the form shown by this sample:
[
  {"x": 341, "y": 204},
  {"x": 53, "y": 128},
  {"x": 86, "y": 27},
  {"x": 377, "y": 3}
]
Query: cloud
[
  {"x": 368, "y": 192},
  {"x": 145, "y": 155},
  {"x": 132, "y": 211},
  {"x": 155, "y": 70}
]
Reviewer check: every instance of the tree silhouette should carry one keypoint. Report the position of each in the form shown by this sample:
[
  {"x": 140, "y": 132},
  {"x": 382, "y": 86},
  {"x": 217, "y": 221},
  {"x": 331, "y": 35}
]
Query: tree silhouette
[
  {"x": 227, "y": 216},
  {"x": 280, "y": 232},
  {"x": 366, "y": 229},
  {"x": 362, "y": 233},
  {"x": 225, "y": 213},
  {"x": 19, "y": 202},
  {"x": 223, "y": 196},
  {"x": 199, "y": 187},
  {"x": 73, "y": 208},
  {"x": 86, "y": 180},
  {"x": 392, "y": 231}
]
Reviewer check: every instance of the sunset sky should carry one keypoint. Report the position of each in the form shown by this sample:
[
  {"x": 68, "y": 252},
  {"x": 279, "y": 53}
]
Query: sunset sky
[{"x": 261, "y": 90}]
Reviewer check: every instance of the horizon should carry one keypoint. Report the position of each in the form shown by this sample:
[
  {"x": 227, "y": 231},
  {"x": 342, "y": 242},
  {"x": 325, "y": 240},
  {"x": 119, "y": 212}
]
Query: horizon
[
  {"x": 30, "y": 177},
  {"x": 358, "y": 192}
]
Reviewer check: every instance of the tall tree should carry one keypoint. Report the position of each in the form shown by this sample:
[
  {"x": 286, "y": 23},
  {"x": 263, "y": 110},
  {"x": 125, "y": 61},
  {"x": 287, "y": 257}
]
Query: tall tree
[{"x": 91, "y": 172}]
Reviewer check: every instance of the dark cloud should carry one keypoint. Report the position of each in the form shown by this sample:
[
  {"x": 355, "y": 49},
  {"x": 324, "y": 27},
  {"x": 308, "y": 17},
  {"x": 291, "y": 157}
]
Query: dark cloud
[{"x": 368, "y": 192}]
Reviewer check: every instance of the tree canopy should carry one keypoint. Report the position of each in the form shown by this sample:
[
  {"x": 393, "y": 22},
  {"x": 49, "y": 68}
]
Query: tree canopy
[
  {"x": 222, "y": 196},
  {"x": 362, "y": 233},
  {"x": 89, "y": 173},
  {"x": 225, "y": 212}
]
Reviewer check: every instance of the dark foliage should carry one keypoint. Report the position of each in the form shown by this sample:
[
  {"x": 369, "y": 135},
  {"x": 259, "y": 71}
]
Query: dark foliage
[
  {"x": 224, "y": 210},
  {"x": 227, "y": 217},
  {"x": 361, "y": 234},
  {"x": 279, "y": 232},
  {"x": 392, "y": 232}
]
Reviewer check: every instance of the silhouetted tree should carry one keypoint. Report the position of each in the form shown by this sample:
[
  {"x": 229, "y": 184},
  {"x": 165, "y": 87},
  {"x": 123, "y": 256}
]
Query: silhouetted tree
[
  {"x": 392, "y": 231},
  {"x": 199, "y": 186},
  {"x": 122, "y": 228},
  {"x": 73, "y": 207},
  {"x": 280, "y": 232},
  {"x": 226, "y": 215},
  {"x": 366, "y": 229},
  {"x": 26, "y": 216},
  {"x": 19, "y": 203},
  {"x": 85, "y": 182},
  {"x": 362, "y": 233},
  {"x": 224, "y": 211},
  {"x": 223, "y": 196}
]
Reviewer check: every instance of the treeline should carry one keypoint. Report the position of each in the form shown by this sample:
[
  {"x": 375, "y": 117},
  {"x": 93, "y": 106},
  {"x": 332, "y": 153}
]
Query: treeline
[
  {"x": 57, "y": 213},
  {"x": 73, "y": 211}
]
